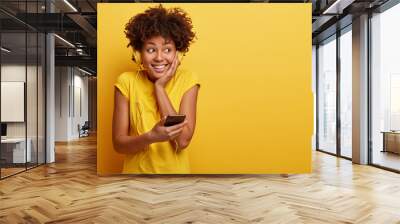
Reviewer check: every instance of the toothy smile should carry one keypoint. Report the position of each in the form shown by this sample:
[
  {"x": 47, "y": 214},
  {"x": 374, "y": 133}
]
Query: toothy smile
[{"x": 159, "y": 68}]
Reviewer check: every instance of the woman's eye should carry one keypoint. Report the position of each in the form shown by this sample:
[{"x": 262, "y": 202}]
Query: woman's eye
[
  {"x": 167, "y": 50},
  {"x": 150, "y": 50}
]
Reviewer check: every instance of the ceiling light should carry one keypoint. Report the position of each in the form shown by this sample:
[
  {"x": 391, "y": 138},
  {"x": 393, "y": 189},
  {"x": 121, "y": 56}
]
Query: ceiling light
[
  {"x": 64, "y": 40},
  {"x": 337, "y": 7},
  {"x": 5, "y": 50},
  {"x": 71, "y": 6},
  {"x": 84, "y": 71}
]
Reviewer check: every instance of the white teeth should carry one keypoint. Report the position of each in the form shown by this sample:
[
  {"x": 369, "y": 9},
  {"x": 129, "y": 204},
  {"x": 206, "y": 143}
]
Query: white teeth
[{"x": 159, "y": 68}]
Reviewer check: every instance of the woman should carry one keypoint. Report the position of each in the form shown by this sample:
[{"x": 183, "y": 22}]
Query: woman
[{"x": 159, "y": 88}]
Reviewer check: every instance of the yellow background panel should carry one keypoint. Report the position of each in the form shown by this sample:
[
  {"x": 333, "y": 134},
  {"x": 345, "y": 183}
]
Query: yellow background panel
[{"x": 255, "y": 105}]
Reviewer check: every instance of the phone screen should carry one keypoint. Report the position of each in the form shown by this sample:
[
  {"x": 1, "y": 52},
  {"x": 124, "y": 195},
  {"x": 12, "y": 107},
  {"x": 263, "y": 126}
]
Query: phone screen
[{"x": 174, "y": 120}]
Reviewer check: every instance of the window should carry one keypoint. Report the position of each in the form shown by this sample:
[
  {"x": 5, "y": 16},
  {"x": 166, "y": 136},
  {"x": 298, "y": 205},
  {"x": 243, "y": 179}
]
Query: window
[
  {"x": 385, "y": 88},
  {"x": 327, "y": 95},
  {"x": 346, "y": 93}
]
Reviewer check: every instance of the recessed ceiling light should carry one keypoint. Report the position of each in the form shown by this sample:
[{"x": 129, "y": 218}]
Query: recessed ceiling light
[
  {"x": 5, "y": 50},
  {"x": 338, "y": 6},
  {"x": 64, "y": 40},
  {"x": 71, "y": 6},
  {"x": 84, "y": 71}
]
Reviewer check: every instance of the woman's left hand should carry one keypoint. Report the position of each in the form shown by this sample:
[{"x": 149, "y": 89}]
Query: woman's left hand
[{"x": 162, "y": 82}]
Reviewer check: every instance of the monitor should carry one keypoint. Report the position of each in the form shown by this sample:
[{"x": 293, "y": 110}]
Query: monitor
[{"x": 3, "y": 129}]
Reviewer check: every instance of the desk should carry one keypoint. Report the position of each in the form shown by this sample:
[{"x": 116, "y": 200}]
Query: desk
[
  {"x": 13, "y": 150},
  {"x": 391, "y": 141}
]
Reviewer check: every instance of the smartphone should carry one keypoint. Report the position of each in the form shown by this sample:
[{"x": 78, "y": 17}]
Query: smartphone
[{"x": 174, "y": 119}]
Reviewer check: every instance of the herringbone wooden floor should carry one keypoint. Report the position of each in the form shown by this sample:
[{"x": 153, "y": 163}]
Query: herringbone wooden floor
[{"x": 69, "y": 191}]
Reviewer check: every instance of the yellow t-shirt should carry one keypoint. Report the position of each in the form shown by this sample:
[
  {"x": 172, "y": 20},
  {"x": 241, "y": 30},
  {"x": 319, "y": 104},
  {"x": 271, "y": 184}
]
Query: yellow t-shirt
[{"x": 159, "y": 157}]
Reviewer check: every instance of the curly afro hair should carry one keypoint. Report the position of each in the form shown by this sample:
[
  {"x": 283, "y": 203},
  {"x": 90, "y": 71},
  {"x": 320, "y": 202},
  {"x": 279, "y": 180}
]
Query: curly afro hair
[{"x": 172, "y": 24}]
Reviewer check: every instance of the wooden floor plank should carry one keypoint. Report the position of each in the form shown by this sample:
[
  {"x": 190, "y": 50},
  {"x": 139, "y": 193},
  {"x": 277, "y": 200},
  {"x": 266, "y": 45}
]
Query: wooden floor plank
[{"x": 69, "y": 191}]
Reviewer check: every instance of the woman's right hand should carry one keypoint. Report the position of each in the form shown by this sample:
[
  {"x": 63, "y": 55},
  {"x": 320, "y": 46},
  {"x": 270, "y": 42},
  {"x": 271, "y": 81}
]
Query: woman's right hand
[{"x": 160, "y": 133}]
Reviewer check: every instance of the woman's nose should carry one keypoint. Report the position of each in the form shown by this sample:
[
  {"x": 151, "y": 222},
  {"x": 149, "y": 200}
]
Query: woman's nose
[{"x": 158, "y": 56}]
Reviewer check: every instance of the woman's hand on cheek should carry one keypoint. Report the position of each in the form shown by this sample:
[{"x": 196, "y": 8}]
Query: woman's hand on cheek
[{"x": 163, "y": 80}]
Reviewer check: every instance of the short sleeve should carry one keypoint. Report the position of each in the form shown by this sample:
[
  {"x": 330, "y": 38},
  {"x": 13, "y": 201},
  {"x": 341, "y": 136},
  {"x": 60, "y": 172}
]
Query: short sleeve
[
  {"x": 191, "y": 79},
  {"x": 122, "y": 84}
]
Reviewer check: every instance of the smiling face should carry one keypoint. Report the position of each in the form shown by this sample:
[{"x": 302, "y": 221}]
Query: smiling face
[{"x": 157, "y": 55}]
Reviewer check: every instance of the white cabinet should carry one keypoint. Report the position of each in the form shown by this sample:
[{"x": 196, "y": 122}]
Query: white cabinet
[{"x": 15, "y": 148}]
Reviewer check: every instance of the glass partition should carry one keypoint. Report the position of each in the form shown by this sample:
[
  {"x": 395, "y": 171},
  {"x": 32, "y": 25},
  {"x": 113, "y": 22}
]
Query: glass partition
[
  {"x": 22, "y": 88},
  {"x": 327, "y": 95},
  {"x": 346, "y": 93},
  {"x": 14, "y": 154}
]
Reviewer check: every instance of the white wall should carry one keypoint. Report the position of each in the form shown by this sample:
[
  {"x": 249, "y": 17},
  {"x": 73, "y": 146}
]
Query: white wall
[
  {"x": 314, "y": 91},
  {"x": 16, "y": 73},
  {"x": 80, "y": 110},
  {"x": 71, "y": 94},
  {"x": 61, "y": 103}
]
